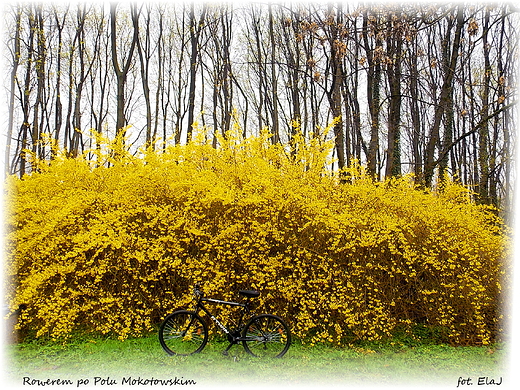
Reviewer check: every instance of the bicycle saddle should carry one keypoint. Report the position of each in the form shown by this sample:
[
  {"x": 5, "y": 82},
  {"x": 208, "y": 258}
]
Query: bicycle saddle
[{"x": 249, "y": 293}]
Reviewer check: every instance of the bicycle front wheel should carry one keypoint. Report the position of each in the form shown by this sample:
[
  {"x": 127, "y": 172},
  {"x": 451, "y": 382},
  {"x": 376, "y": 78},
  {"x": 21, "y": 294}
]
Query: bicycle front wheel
[
  {"x": 183, "y": 333},
  {"x": 266, "y": 335}
]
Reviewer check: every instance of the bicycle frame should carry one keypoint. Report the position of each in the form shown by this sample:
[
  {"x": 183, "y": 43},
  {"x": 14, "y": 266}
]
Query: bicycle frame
[{"x": 245, "y": 310}]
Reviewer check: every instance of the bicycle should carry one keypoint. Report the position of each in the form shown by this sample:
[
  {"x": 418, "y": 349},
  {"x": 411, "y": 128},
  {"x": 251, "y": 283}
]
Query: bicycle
[{"x": 184, "y": 332}]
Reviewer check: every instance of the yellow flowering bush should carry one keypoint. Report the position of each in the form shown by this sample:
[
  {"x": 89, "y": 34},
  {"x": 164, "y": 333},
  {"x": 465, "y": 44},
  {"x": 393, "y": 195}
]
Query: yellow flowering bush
[{"x": 111, "y": 242}]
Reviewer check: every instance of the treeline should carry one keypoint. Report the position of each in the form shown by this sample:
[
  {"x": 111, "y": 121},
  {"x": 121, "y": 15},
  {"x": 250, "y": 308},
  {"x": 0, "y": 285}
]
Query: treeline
[{"x": 427, "y": 89}]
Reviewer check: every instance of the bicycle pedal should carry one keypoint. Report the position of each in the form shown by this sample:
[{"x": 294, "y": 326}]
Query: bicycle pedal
[{"x": 225, "y": 353}]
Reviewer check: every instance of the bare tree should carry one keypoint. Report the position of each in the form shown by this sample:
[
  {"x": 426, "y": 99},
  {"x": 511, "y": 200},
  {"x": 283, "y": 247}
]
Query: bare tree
[
  {"x": 444, "y": 98},
  {"x": 275, "y": 129},
  {"x": 58, "y": 116},
  {"x": 120, "y": 71},
  {"x": 196, "y": 28},
  {"x": 15, "y": 55},
  {"x": 334, "y": 29},
  {"x": 396, "y": 25},
  {"x": 25, "y": 94},
  {"x": 144, "y": 52},
  {"x": 374, "y": 51}
]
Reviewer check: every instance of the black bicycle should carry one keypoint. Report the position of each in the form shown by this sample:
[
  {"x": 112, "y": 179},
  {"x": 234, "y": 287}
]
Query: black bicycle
[{"x": 184, "y": 332}]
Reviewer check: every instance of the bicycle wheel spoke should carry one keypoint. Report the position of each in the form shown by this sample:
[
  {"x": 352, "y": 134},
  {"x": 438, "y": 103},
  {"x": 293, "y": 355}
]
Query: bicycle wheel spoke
[
  {"x": 267, "y": 336},
  {"x": 183, "y": 333}
]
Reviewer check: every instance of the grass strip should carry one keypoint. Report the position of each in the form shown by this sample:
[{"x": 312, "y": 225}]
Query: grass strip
[{"x": 384, "y": 364}]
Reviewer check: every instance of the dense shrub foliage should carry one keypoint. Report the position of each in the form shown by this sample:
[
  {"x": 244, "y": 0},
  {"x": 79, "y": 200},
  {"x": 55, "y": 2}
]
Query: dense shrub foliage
[{"x": 114, "y": 242}]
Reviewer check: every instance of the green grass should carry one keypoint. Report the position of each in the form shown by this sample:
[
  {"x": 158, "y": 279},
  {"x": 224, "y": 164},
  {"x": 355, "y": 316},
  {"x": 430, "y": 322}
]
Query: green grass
[{"x": 391, "y": 363}]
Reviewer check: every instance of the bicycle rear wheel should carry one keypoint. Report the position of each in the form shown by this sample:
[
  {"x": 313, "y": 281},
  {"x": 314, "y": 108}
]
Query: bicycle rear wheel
[
  {"x": 266, "y": 335},
  {"x": 183, "y": 333}
]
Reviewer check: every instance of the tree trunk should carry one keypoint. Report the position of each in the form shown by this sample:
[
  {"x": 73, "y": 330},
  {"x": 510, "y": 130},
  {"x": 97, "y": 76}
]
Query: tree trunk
[
  {"x": 14, "y": 70},
  {"x": 195, "y": 32},
  {"x": 144, "y": 61},
  {"x": 415, "y": 116},
  {"x": 274, "y": 81},
  {"x": 429, "y": 162},
  {"x": 25, "y": 100},
  {"x": 373, "y": 94},
  {"x": 121, "y": 72},
  {"x": 76, "y": 117},
  {"x": 394, "y": 47},
  {"x": 483, "y": 155},
  {"x": 58, "y": 116}
]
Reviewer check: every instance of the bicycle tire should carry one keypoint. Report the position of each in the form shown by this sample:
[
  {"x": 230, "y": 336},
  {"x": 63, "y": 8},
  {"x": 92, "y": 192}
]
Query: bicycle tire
[
  {"x": 266, "y": 335},
  {"x": 183, "y": 333}
]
